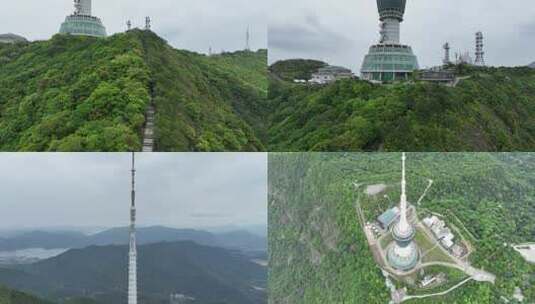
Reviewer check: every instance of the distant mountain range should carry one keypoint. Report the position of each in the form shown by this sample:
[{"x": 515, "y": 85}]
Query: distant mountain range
[
  {"x": 532, "y": 65},
  {"x": 11, "y": 38},
  {"x": 210, "y": 275},
  {"x": 240, "y": 240}
]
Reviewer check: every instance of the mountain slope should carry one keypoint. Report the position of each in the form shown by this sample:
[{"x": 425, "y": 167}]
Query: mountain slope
[
  {"x": 89, "y": 94},
  {"x": 492, "y": 110},
  {"x": 208, "y": 274},
  {"x": 201, "y": 104},
  {"x": 8, "y": 296}
]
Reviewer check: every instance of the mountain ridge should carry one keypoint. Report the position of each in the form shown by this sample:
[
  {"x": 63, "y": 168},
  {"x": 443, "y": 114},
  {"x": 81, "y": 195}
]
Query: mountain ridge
[
  {"x": 74, "y": 93},
  {"x": 240, "y": 239},
  {"x": 491, "y": 109},
  {"x": 209, "y": 274}
]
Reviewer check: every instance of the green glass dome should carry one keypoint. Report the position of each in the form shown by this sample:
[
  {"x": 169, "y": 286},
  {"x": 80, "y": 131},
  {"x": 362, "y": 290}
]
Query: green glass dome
[
  {"x": 83, "y": 25},
  {"x": 391, "y": 9},
  {"x": 389, "y": 62},
  {"x": 403, "y": 263}
]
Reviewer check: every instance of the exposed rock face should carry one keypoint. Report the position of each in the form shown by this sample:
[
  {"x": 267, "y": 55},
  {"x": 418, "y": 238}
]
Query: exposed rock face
[{"x": 11, "y": 38}]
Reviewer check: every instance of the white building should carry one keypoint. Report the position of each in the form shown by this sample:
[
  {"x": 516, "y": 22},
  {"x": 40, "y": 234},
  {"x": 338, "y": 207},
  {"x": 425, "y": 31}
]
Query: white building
[
  {"x": 330, "y": 74},
  {"x": 440, "y": 230}
]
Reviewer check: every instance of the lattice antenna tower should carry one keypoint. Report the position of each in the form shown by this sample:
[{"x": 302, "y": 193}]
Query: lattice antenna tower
[{"x": 480, "y": 54}]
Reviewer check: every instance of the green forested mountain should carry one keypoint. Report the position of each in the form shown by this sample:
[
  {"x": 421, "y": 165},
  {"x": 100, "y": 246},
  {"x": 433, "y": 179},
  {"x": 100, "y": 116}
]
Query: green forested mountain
[
  {"x": 89, "y": 94},
  {"x": 9, "y": 296},
  {"x": 210, "y": 275},
  {"x": 292, "y": 69},
  {"x": 318, "y": 250},
  {"x": 492, "y": 110}
]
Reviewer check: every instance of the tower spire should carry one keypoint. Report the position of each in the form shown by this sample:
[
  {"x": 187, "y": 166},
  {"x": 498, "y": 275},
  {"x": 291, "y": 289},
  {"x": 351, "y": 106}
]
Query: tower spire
[
  {"x": 403, "y": 253},
  {"x": 132, "y": 255},
  {"x": 403, "y": 223}
]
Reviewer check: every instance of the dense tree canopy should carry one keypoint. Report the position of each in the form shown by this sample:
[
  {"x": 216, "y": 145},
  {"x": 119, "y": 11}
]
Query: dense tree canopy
[
  {"x": 89, "y": 94},
  {"x": 492, "y": 110}
]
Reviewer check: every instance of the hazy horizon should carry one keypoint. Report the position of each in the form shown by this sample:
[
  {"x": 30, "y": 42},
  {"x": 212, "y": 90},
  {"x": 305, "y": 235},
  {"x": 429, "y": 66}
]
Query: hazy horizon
[{"x": 254, "y": 229}]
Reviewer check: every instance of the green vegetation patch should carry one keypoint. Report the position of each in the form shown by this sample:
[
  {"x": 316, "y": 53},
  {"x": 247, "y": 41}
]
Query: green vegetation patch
[
  {"x": 89, "y": 94},
  {"x": 9, "y": 296},
  {"x": 493, "y": 110}
]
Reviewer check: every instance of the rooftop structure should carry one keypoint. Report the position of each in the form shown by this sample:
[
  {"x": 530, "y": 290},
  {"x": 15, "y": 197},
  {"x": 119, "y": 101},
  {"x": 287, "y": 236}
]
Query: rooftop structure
[
  {"x": 330, "y": 74},
  {"x": 132, "y": 254},
  {"x": 440, "y": 76},
  {"x": 403, "y": 253},
  {"x": 389, "y": 60},
  {"x": 388, "y": 217},
  {"x": 81, "y": 22}
]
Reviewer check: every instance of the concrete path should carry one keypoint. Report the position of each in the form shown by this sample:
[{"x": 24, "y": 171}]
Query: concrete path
[
  {"x": 148, "y": 132},
  {"x": 406, "y": 298}
]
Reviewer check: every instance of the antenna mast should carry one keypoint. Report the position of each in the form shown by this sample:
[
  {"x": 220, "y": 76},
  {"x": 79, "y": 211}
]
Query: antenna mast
[
  {"x": 147, "y": 23},
  {"x": 446, "y": 54},
  {"x": 480, "y": 60},
  {"x": 247, "y": 40}
]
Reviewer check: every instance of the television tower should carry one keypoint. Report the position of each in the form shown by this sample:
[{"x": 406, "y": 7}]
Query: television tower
[
  {"x": 129, "y": 25},
  {"x": 403, "y": 252},
  {"x": 81, "y": 22},
  {"x": 132, "y": 255},
  {"x": 389, "y": 60},
  {"x": 480, "y": 60}
]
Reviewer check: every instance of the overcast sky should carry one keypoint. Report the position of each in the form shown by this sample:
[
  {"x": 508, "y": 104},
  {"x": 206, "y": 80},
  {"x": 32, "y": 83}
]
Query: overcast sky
[
  {"x": 183, "y": 190},
  {"x": 189, "y": 24},
  {"x": 341, "y": 31}
]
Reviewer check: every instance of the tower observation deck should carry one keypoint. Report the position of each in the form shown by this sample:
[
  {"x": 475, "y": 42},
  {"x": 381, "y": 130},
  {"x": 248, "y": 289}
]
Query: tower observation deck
[
  {"x": 403, "y": 253},
  {"x": 81, "y": 22},
  {"x": 389, "y": 60}
]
